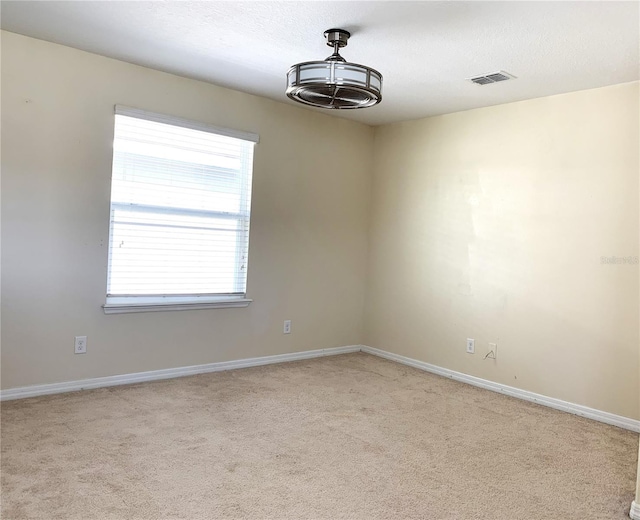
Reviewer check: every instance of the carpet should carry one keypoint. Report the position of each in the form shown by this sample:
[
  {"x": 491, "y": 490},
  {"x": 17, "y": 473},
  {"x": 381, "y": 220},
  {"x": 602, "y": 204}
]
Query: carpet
[{"x": 342, "y": 437}]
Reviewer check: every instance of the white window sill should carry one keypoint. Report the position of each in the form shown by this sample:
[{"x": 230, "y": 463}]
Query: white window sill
[{"x": 121, "y": 305}]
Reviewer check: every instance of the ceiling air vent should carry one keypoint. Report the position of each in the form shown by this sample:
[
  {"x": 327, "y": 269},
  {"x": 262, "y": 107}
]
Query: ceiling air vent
[{"x": 493, "y": 77}]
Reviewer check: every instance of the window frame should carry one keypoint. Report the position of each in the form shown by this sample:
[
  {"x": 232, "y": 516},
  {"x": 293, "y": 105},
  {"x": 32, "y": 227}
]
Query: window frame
[{"x": 149, "y": 303}]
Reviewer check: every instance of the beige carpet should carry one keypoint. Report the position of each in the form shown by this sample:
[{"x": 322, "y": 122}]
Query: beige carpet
[{"x": 349, "y": 436}]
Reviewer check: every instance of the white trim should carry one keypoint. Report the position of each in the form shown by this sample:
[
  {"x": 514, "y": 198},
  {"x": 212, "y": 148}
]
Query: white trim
[
  {"x": 634, "y": 514},
  {"x": 525, "y": 395},
  {"x": 168, "y": 373},
  {"x": 185, "y": 123},
  {"x": 121, "y": 308}
]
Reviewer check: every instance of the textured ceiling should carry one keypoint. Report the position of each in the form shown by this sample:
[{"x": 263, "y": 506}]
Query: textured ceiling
[{"x": 425, "y": 50}]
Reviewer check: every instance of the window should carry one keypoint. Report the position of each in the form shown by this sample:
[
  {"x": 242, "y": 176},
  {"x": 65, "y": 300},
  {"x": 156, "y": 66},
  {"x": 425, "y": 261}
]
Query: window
[{"x": 180, "y": 208}]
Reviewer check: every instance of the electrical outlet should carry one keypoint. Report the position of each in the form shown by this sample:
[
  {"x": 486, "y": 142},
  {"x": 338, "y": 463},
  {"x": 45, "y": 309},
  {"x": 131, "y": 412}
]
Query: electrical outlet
[
  {"x": 471, "y": 346},
  {"x": 492, "y": 352},
  {"x": 81, "y": 345},
  {"x": 287, "y": 327}
]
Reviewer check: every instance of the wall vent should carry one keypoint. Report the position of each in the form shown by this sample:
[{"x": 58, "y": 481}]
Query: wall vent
[{"x": 493, "y": 77}]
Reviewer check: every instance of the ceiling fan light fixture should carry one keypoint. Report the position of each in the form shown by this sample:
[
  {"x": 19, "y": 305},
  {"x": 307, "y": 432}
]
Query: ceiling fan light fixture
[{"x": 334, "y": 83}]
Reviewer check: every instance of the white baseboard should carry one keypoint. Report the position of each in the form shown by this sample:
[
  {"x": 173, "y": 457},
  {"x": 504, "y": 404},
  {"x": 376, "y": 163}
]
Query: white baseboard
[
  {"x": 634, "y": 514},
  {"x": 551, "y": 402},
  {"x": 155, "y": 375}
]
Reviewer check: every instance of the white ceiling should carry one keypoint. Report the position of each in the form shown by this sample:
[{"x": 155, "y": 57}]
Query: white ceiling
[{"x": 425, "y": 50}]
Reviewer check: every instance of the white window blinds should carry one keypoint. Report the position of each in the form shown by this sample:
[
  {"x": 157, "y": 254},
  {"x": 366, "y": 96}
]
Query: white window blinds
[{"x": 180, "y": 208}]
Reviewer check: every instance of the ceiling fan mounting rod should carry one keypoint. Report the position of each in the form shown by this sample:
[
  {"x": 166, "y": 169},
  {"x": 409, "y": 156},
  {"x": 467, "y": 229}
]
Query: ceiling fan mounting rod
[{"x": 336, "y": 38}]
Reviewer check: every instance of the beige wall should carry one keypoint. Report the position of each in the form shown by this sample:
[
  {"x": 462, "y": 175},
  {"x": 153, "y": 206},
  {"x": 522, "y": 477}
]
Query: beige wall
[
  {"x": 308, "y": 234},
  {"x": 487, "y": 224},
  {"x": 491, "y": 224}
]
